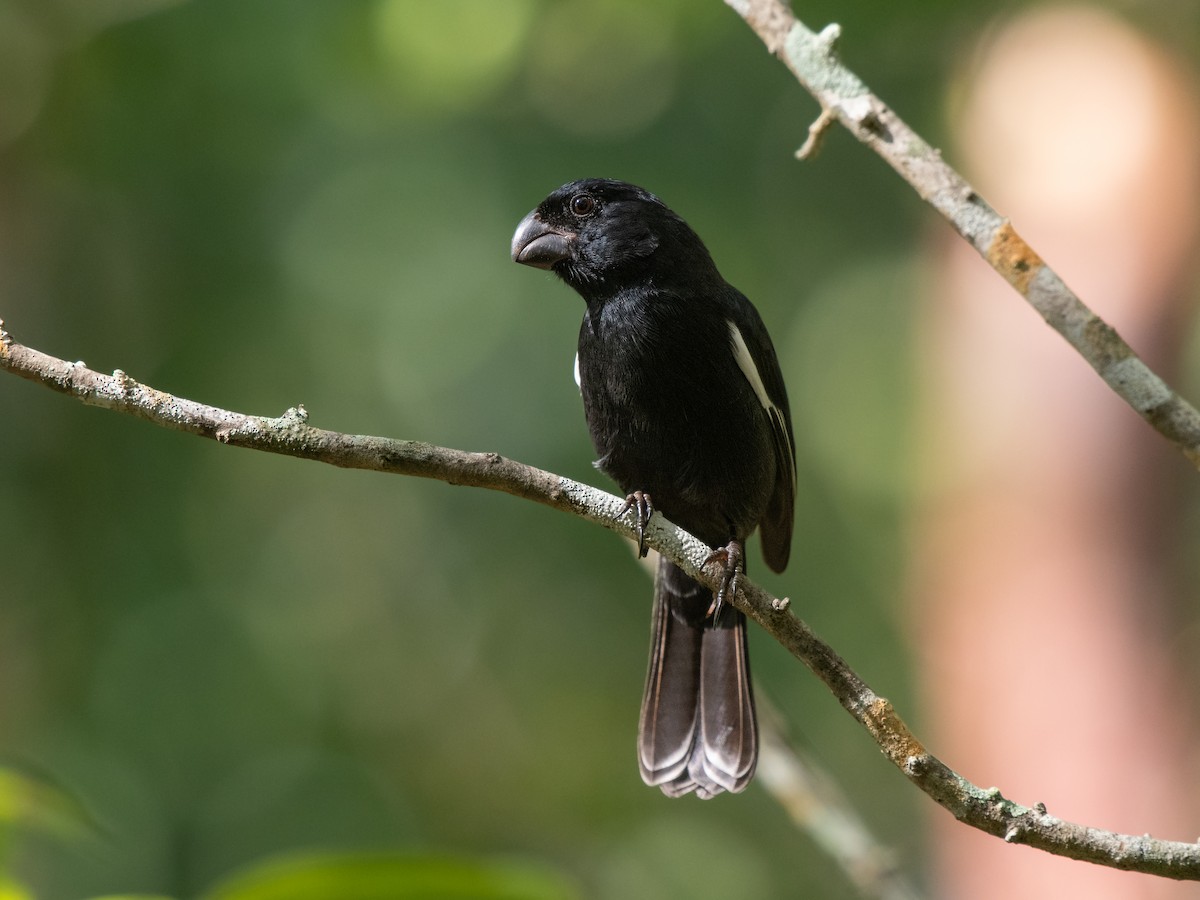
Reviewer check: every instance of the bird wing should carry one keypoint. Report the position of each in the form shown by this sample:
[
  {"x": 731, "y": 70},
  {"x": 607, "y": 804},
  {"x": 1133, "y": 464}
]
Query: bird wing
[{"x": 755, "y": 356}]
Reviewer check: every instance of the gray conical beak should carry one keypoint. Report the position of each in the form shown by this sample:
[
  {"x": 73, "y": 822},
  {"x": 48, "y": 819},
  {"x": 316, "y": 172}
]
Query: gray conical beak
[{"x": 537, "y": 244}]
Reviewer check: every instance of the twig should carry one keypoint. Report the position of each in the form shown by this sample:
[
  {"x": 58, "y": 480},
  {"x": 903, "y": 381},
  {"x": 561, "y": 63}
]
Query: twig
[
  {"x": 816, "y": 804},
  {"x": 291, "y": 435},
  {"x": 811, "y": 58},
  {"x": 816, "y": 135}
]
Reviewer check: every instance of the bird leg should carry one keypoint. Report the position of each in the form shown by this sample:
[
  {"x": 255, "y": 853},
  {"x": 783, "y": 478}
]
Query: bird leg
[
  {"x": 643, "y": 507},
  {"x": 733, "y": 565}
]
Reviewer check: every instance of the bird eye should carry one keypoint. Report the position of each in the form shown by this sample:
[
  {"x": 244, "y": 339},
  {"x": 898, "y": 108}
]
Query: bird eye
[{"x": 582, "y": 205}]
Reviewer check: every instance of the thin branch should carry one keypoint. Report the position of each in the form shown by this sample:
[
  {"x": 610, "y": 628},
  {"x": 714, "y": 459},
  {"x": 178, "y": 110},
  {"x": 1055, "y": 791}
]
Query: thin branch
[
  {"x": 811, "y": 58},
  {"x": 815, "y": 803},
  {"x": 816, "y": 135},
  {"x": 291, "y": 435}
]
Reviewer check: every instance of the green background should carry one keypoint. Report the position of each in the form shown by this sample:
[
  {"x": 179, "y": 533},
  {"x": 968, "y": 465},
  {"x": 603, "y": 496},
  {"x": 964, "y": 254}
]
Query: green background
[{"x": 208, "y": 656}]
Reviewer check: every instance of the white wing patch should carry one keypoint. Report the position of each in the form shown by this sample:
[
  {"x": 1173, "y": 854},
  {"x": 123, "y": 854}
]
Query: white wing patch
[
  {"x": 746, "y": 363},
  {"x": 578, "y": 380}
]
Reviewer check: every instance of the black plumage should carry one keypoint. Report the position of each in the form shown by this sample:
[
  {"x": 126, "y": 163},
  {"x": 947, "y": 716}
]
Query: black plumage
[{"x": 687, "y": 410}]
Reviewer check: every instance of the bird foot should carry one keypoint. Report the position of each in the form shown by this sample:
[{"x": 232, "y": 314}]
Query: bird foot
[
  {"x": 732, "y": 562},
  {"x": 643, "y": 507}
]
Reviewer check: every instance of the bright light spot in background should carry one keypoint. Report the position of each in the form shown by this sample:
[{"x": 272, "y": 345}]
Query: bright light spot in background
[
  {"x": 1082, "y": 75},
  {"x": 450, "y": 53},
  {"x": 602, "y": 69}
]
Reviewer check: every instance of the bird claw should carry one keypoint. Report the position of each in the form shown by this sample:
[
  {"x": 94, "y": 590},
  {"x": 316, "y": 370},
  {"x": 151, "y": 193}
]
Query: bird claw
[
  {"x": 733, "y": 565},
  {"x": 643, "y": 507}
]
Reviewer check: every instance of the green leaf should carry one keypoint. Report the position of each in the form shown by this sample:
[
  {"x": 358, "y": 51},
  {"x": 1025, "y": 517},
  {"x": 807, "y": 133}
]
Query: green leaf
[
  {"x": 393, "y": 877},
  {"x": 10, "y": 890},
  {"x": 35, "y": 803}
]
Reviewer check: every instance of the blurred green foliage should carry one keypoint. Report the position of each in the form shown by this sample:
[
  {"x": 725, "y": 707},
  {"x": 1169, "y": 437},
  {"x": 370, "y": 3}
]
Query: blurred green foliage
[
  {"x": 222, "y": 656},
  {"x": 386, "y": 877}
]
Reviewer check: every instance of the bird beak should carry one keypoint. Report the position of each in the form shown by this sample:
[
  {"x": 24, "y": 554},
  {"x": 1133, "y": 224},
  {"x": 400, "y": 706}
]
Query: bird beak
[{"x": 537, "y": 244}]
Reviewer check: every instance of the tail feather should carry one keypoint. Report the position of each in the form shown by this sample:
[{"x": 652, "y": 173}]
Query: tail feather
[{"x": 698, "y": 729}]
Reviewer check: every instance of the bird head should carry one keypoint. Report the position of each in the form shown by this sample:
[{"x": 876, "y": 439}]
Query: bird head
[{"x": 599, "y": 234}]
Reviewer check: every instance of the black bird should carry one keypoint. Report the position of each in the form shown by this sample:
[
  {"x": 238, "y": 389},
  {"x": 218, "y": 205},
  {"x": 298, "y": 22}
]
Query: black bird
[{"x": 687, "y": 409}]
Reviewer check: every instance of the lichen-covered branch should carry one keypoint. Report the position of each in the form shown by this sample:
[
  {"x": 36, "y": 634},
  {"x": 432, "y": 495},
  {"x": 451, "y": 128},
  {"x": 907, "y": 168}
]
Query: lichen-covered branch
[
  {"x": 291, "y": 435},
  {"x": 812, "y": 59}
]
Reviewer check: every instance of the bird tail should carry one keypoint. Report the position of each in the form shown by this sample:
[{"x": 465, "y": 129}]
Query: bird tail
[{"x": 698, "y": 730}]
